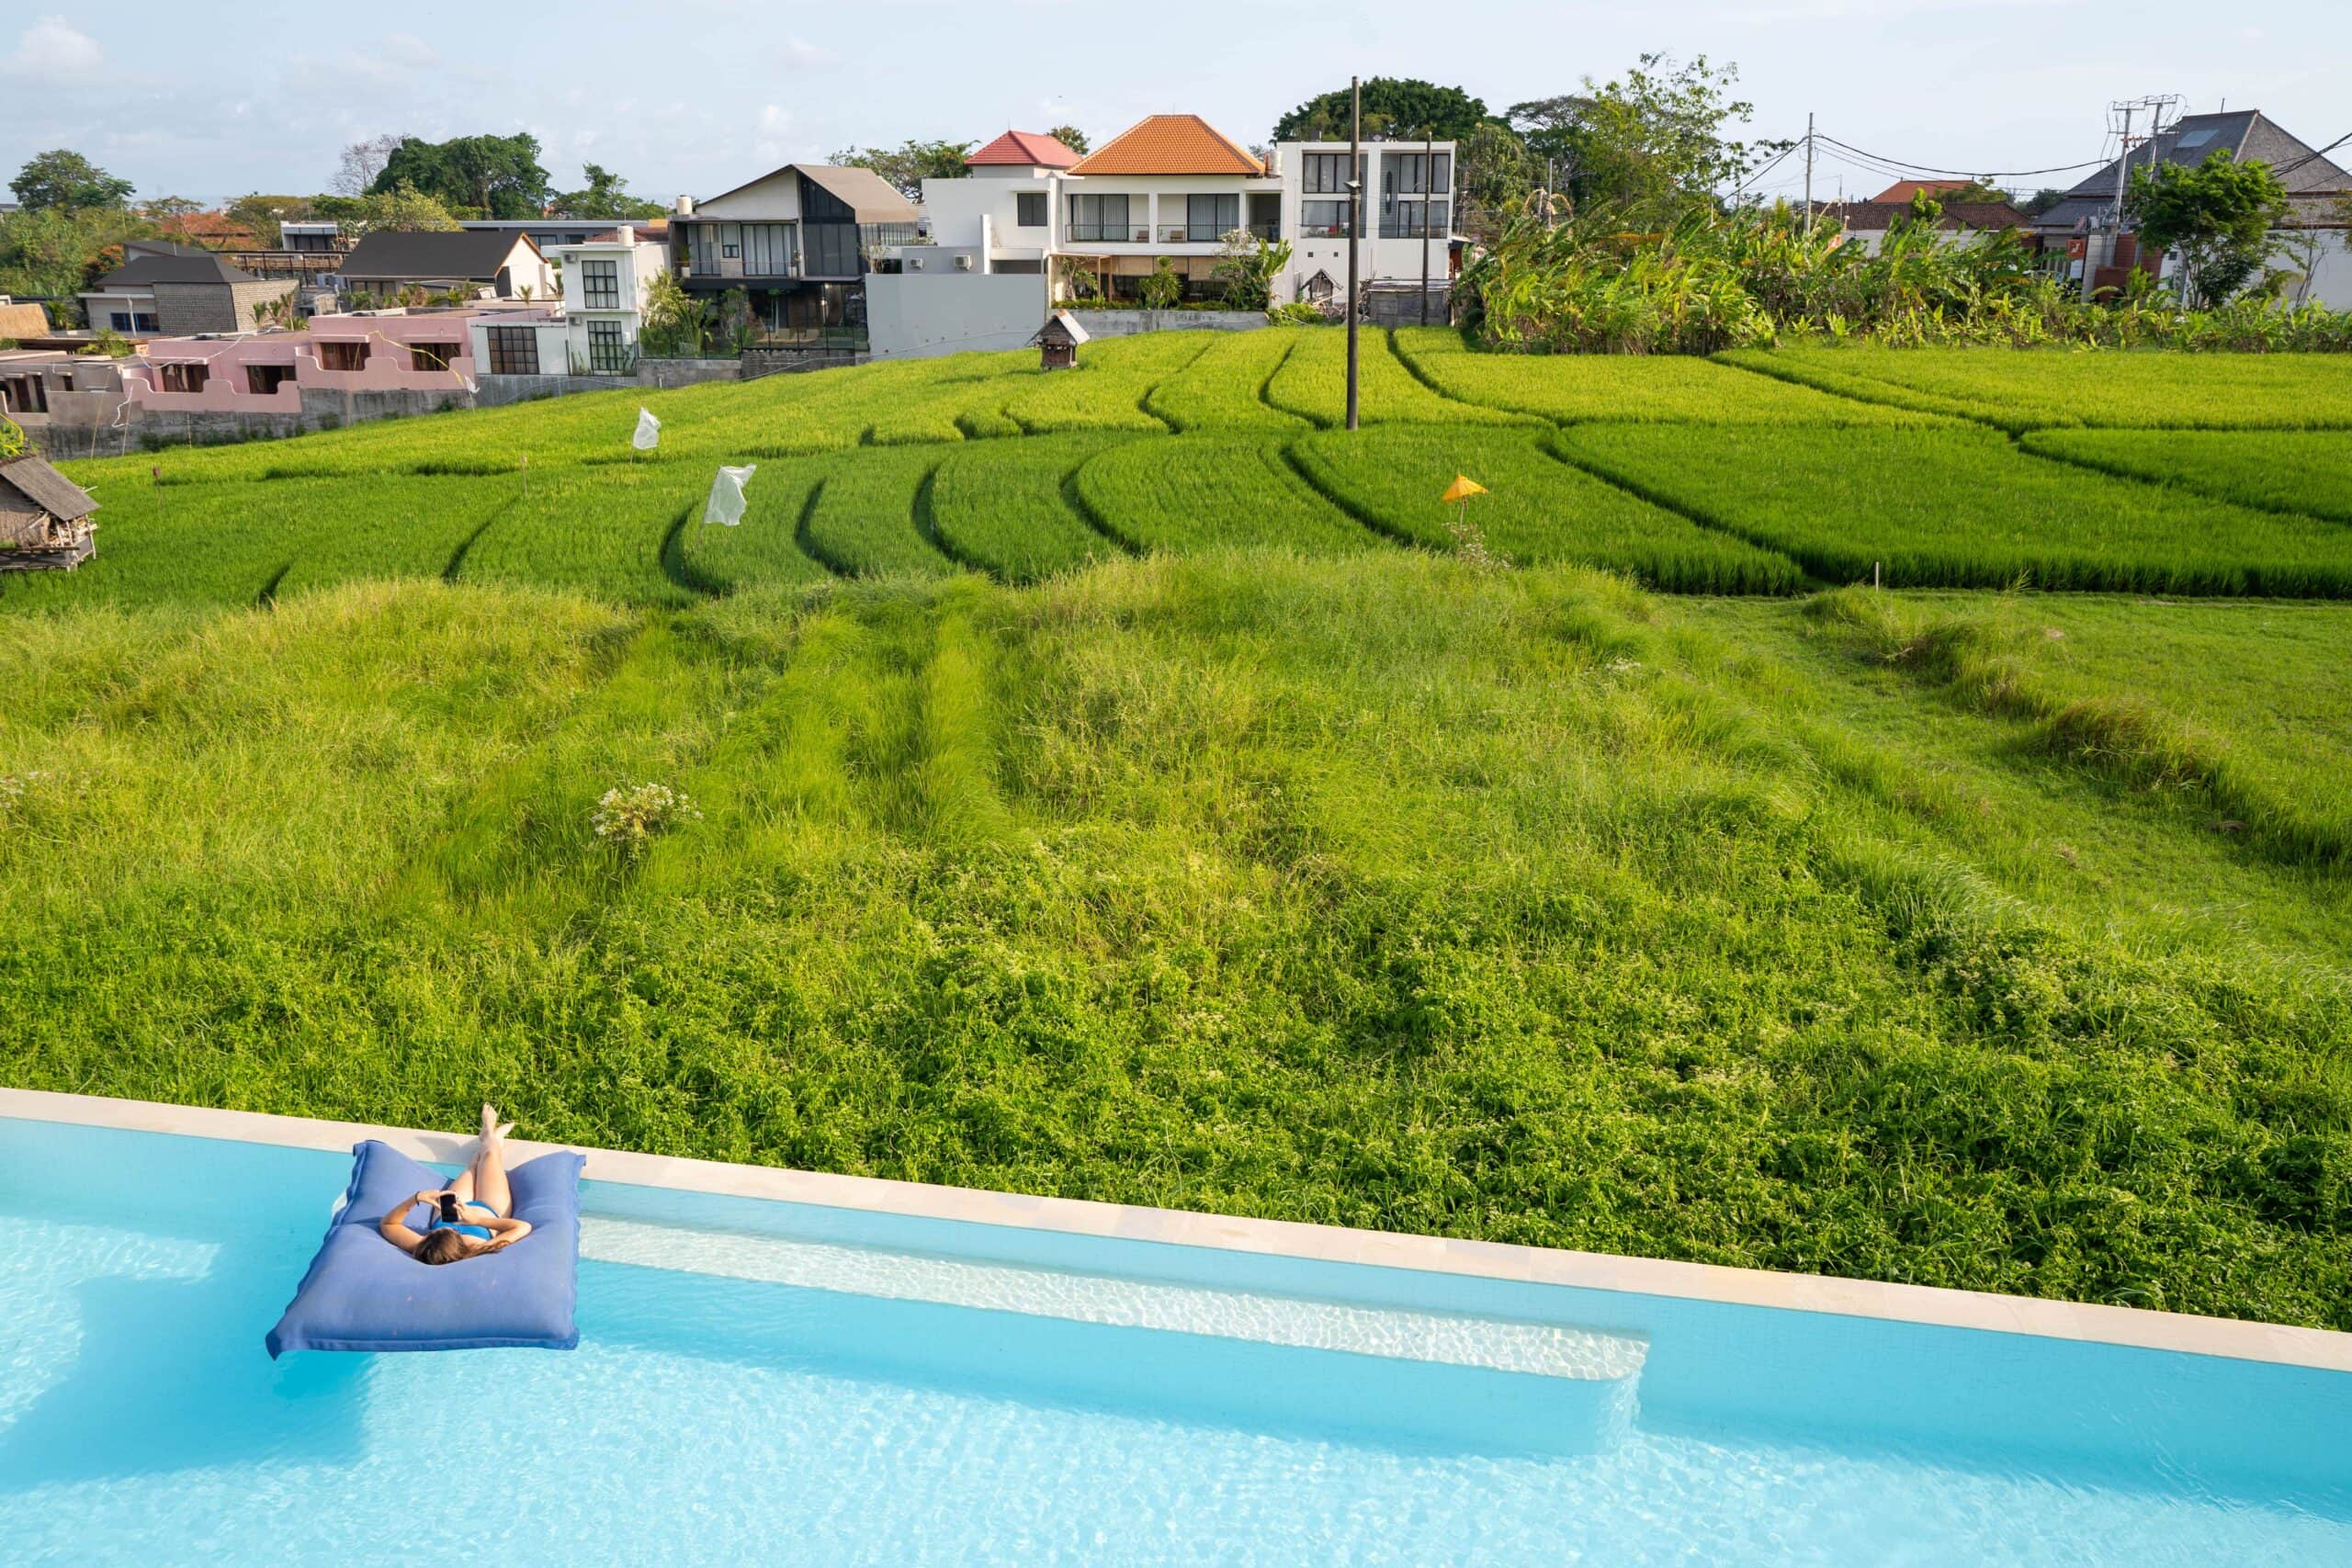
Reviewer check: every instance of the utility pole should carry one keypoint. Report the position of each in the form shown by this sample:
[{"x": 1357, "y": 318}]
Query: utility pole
[
  {"x": 1808, "y": 173},
  {"x": 1429, "y": 198},
  {"x": 1356, "y": 227}
]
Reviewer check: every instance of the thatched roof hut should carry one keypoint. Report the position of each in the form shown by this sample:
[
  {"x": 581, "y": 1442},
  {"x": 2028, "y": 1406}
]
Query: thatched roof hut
[{"x": 45, "y": 521}]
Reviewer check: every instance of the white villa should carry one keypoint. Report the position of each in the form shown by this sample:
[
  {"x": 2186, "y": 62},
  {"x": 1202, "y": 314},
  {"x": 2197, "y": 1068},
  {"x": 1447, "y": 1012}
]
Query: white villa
[
  {"x": 604, "y": 281},
  {"x": 1030, "y": 211}
]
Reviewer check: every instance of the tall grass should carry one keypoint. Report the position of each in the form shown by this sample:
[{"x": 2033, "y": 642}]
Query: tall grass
[
  {"x": 1204, "y": 492},
  {"x": 1958, "y": 508},
  {"x": 1537, "y": 509},
  {"x": 1111, "y": 387},
  {"x": 1379, "y": 891}
]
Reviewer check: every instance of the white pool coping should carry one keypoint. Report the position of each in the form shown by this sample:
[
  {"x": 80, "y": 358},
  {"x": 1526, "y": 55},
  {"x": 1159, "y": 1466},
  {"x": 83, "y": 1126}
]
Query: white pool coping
[{"x": 2322, "y": 1349}]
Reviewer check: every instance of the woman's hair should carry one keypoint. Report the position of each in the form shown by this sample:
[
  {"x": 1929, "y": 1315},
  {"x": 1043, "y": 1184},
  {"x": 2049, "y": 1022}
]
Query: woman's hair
[{"x": 441, "y": 1246}]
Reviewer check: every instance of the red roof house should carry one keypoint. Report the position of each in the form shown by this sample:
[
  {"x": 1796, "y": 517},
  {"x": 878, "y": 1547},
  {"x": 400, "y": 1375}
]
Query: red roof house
[{"x": 1023, "y": 149}]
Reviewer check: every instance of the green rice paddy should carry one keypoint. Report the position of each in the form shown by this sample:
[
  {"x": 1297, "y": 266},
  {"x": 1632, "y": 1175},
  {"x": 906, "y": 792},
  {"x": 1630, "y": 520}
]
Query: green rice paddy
[{"x": 1125, "y": 784}]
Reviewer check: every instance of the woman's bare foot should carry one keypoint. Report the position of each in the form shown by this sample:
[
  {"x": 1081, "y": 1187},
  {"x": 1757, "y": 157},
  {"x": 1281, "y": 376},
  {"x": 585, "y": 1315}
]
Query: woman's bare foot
[{"x": 493, "y": 1129}]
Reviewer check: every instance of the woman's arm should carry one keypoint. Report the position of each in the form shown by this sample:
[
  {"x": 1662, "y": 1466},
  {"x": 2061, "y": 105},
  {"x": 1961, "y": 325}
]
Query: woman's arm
[
  {"x": 393, "y": 1226},
  {"x": 505, "y": 1233}
]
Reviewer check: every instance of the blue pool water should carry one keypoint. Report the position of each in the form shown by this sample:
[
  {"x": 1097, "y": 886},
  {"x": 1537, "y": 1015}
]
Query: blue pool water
[{"x": 774, "y": 1383}]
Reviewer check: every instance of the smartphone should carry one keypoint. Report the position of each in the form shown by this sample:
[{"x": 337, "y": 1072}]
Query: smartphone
[{"x": 449, "y": 1206}]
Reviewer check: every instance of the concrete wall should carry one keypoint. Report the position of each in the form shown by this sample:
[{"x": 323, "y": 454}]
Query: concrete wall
[
  {"x": 1126, "y": 323},
  {"x": 917, "y": 315},
  {"x": 183, "y": 309},
  {"x": 687, "y": 372}
]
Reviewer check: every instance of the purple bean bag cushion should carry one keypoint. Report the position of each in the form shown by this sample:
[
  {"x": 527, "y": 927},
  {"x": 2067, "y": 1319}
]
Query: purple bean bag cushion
[{"x": 364, "y": 1293}]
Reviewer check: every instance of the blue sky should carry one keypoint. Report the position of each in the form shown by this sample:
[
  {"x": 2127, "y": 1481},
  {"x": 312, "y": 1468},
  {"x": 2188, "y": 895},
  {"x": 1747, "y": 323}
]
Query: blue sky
[{"x": 695, "y": 95}]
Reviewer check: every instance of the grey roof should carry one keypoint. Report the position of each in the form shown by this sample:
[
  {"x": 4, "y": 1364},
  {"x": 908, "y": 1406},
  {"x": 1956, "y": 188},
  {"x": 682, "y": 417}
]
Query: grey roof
[
  {"x": 1073, "y": 331},
  {"x": 47, "y": 488},
  {"x": 2244, "y": 134},
  {"x": 869, "y": 196},
  {"x": 178, "y": 265},
  {"x": 474, "y": 255}
]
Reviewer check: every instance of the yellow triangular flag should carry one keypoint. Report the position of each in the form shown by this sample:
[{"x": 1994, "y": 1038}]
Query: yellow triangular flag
[{"x": 1463, "y": 488}]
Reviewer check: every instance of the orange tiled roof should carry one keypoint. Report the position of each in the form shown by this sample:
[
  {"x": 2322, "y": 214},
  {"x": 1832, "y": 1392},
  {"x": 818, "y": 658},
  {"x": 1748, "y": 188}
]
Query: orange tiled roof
[
  {"x": 1026, "y": 149},
  {"x": 1169, "y": 144}
]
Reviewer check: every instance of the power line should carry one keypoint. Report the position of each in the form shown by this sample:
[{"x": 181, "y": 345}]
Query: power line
[{"x": 1964, "y": 174}]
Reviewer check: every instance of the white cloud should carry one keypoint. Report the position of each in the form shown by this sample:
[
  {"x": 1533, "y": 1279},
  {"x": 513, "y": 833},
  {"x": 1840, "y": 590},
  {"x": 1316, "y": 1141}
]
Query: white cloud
[
  {"x": 53, "y": 50},
  {"x": 800, "y": 54},
  {"x": 773, "y": 125},
  {"x": 407, "y": 49}
]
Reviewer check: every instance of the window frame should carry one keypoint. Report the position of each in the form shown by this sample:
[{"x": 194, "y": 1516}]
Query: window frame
[
  {"x": 600, "y": 284},
  {"x": 1025, "y": 202},
  {"x": 503, "y": 359}
]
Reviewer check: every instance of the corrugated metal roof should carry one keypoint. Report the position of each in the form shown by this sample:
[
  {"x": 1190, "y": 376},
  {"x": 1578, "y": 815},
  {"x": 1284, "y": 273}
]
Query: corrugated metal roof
[
  {"x": 1169, "y": 144},
  {"x": 1024, "y": 149},
  {"x": 47, "y": 488}
]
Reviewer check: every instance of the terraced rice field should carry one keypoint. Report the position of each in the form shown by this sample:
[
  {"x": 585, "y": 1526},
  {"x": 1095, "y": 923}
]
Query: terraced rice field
[
  {"x": 1748, "y": 473},
  {"x": 1209, "y": 491},
  {"x": 1536, "y": 509},
  {"x": 1961, "y": 509},
  {"x": 2026, "y": 390},
  {"x": 2305, "y": 472}
]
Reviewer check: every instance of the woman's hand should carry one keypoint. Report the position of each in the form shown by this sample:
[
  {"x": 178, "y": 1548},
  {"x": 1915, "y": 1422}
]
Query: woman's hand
[{"x": 433, "y": 1198}]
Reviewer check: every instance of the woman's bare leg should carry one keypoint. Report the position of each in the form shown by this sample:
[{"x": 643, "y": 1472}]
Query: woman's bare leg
[{"x": 489, "y": 1172}]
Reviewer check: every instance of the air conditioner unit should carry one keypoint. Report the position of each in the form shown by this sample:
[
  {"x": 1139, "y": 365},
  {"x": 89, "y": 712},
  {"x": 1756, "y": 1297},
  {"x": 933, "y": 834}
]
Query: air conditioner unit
[
  {"x": 963, "y": 264},
  {"x": 914, "y": 263}
]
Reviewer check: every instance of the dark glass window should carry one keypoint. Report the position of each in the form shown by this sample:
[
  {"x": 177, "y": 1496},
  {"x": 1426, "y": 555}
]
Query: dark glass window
[
  {"x": 514, "y": 351},
  {"x": 1211, "y": 217},
  {"x": 1099, "y": 217},
  {"x": 1029, "y": 208},
  {"x": 599, "y": 285}
]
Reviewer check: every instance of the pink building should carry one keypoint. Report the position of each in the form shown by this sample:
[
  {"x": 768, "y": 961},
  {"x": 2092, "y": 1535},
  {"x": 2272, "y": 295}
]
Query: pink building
[{"x": 267, "y": 372}]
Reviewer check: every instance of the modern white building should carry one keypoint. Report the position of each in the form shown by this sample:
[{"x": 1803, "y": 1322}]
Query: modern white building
[
  {"x": 1408, "y": 217},
  {"x": 604, "y": 281}
]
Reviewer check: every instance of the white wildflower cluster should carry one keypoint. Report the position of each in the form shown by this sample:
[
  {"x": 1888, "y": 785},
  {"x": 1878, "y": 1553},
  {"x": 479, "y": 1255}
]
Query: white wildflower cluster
[
  {"x": 12, "y": 793},
  {"x": 631, "y": 815},
  {"x": 1470, "y": 546}
]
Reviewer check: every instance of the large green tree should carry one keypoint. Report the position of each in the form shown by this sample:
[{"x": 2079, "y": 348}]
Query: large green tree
[
  {"x": 1072, "y": 138},
  {"x": 66, "y": 180},
  {"x": 54, "y": 252},
  {"x": 498, "y": 176},
  {"x": 909, "y": 163},
  {"x": 1392, "y": 107},
  {"x": 403, "y": 209},
  {"x": 605, "y": 196},
  {"x": 1657, "y": 137},
  {"x": 2219, "y": 215}
]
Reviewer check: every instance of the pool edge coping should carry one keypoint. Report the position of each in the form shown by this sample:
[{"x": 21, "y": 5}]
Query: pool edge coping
[{"x": 2135, "y": 1327}]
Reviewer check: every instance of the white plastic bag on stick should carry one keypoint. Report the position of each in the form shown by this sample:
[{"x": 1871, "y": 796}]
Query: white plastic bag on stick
[
  {"x": 726, "y": 503},
  {"x": 648, "y": 431}
]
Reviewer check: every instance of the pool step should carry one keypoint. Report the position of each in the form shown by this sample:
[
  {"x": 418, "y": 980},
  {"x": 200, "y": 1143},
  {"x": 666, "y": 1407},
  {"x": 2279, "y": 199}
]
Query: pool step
[{"x": 1534, "y": 1349}]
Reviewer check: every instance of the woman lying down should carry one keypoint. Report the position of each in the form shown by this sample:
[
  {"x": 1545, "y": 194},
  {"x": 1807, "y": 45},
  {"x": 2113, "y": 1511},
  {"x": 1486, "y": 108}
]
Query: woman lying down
[{"x": 473, "y": 1216}]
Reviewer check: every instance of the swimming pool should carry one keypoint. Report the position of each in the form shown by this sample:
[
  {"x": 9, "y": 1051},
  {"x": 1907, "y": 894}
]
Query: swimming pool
[{"x": 788, "y": 1381}]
